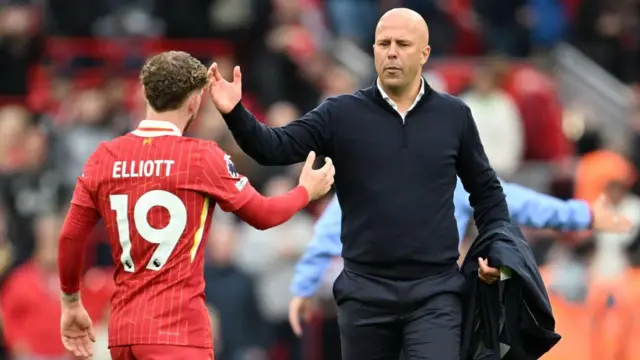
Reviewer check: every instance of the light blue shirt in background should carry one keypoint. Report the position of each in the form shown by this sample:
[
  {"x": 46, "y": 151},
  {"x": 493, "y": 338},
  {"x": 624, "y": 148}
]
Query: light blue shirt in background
[{"x": 526, "y": 206}]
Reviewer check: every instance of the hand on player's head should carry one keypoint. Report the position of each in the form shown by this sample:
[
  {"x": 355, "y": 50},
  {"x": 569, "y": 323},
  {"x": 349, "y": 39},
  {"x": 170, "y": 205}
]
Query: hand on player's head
[
  {"x": 224, "y": 94},
  {"x": 317, "y": 182}
]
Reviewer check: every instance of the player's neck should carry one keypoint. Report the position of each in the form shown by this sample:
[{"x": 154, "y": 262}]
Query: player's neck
[{"x": 175, "y": 117}]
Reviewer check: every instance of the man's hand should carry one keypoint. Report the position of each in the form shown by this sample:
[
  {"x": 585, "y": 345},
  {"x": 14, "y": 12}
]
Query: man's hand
[
  {"x": 76, "y": 328},
  {"x": 487, "y": 274},
  {"x": 224, "y": 95},
  {"x": 299, "y": 307},
  {"x": 317, "y": 182},
  {"x": 607, "y": 220}
]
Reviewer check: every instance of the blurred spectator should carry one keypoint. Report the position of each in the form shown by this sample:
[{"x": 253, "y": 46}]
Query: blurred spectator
[
  {"x": 354, "y": 20},
  {"x": 608, "y": 31},
  {"x": 281, "y": 113},
  {"x": 74, "y": 17},
  {"x": 115, "y": 92},
  {"x": 605, "y": 172},
  {"x": 541, "y": 112},
  {"x": 19, "y": 47},
  {"x": 270, "y": 256},
  {"x": 630, "y": 282},
  {"x": 610, "y": 256},
  {"x": 546, "y": 20},
  {"x": 498, "y": 120},
  {"x": 188, "y": 21},
  {"x": 14, "y": 121},
  {"x": 89, "y": 123},
  {"x": 30, "y": 299},
  {"x": 231, "y": 291},
  {"x": 442, "y": 33},
  {"x": 6, "y": 249},
  {"x": 338, "y": 81},
  {"x": 29, "y": 190},
  {"x": 505, "y": 26},
  {"x": 128, "y": 18},
  {"x": 292, "y": 55},
  {"x": 635, "y": 138},
  {"x": 566, "y": 270},
  {"x": 597, "y": 169}
]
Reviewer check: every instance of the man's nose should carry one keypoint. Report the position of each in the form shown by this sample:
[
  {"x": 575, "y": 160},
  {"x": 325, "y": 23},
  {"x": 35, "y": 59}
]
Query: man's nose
[{"x": 392, "y": 53}]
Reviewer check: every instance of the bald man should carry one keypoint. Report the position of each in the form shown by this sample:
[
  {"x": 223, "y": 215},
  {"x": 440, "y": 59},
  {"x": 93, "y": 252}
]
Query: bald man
[{"x": 397, "y": 147}]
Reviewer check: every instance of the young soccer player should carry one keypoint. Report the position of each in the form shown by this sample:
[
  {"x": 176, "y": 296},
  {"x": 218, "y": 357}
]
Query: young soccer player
[{"x": 156, "y": 191}]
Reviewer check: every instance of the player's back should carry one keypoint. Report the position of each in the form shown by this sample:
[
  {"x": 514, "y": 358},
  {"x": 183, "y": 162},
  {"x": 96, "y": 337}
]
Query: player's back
[{"x": 147, "y": 194}]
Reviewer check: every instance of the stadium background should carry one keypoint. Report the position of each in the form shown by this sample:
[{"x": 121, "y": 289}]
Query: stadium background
[{"x": 552, "y": 84}]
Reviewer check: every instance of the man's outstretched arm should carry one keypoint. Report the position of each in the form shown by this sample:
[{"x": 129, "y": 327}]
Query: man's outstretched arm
[
  {"x": 530, "y": 208},
  {"x": 285, "y": 145},
  {"x": 323, "y": 247}
]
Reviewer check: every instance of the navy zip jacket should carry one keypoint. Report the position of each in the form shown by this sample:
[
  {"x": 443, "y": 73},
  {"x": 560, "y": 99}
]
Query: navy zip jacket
[
  {"x": 510, "y": 320},
  {"x": 394, "y": 177}
]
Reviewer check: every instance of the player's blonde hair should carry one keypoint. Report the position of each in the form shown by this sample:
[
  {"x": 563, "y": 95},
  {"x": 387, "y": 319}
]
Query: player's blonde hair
[{"x": 170, "y": 77}]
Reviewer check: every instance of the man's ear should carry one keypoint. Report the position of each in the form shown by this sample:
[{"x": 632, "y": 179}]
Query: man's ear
[{"x": 426, "y": 51}]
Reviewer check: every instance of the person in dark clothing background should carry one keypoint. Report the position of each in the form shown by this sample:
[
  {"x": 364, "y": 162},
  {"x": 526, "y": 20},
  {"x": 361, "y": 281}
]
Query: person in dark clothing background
[
  {"x": 397, "y": 147},
  {"x": 240, "y": 329}
]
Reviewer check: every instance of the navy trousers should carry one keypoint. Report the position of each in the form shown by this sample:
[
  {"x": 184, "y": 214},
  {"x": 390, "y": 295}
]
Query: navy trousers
[{"x": 379, "y": 318}]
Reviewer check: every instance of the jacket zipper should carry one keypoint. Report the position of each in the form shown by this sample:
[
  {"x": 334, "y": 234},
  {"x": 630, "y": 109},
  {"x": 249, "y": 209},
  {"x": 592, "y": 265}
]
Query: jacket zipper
[
  {"x": 403, "y": 122},
  {"x": 404, "y": 132},
  {"x": 405, "y": 141}
]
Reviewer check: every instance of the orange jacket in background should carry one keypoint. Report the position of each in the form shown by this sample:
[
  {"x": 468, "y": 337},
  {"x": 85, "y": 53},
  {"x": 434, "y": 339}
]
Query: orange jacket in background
[
  {"x": 599, "y": 328},
  {"x": 598, "y": 168},
  {"x": 629, "y": 287},
  {"x": 609, "y": 309},
  {"x": 573, "y": 324}
]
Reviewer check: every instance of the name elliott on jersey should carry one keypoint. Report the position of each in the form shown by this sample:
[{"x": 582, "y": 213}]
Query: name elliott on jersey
[{"x": 142, "y": 168}]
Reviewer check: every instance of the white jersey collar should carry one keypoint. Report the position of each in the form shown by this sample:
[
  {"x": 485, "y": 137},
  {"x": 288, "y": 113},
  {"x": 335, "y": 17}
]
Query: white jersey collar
[{"x": 153, "y": 128}]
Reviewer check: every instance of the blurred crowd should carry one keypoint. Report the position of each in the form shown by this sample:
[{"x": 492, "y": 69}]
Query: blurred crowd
[{"x": 68, "y": 71}]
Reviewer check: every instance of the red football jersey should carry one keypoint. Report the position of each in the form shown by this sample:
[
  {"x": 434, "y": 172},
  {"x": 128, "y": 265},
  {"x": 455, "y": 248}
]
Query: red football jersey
[{"x": 156, "y": 193}]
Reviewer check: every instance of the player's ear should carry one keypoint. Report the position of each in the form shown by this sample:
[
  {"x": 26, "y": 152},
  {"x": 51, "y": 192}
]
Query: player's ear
[{"x": 194, "y": 101}]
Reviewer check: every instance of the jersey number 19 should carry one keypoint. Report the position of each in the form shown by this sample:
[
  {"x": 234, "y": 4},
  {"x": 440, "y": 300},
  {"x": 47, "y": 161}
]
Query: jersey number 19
[{"x": 166, "y": 238}]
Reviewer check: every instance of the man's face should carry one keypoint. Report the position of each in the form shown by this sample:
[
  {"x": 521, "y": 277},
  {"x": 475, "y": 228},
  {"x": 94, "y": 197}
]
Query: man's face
[{"x": 400, "y": 52}]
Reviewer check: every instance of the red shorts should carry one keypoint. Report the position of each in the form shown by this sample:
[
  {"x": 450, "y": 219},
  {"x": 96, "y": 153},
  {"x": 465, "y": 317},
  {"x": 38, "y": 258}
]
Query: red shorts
[{"x": 160, "y": 352}]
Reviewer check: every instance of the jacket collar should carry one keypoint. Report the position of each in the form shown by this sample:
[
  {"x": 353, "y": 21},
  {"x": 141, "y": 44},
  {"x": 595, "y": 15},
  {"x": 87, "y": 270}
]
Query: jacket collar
[
  {"x": 390, "y": 101},
  {"x": 381, "y": 97}
]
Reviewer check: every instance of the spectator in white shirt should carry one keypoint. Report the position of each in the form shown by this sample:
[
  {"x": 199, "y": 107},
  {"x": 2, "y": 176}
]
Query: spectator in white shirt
[{"x": 498, "y": 121}]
